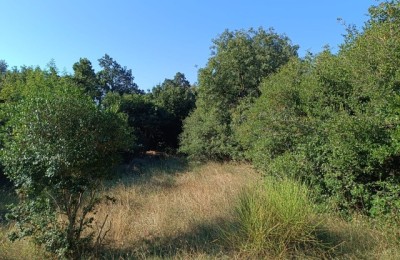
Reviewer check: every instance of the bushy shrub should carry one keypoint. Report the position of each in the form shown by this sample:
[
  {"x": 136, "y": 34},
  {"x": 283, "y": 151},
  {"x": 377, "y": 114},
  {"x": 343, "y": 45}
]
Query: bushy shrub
[
  {"x": 332, "y": 120},
  {"x": 58, "y": 146}
]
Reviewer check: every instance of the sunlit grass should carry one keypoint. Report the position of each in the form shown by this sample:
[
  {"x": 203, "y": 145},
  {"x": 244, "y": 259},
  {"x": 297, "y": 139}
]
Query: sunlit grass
[
  {"x": 276, "y": 218},
  {"x": 159, "y": 209},
  {"x": 162, "y": 214}
]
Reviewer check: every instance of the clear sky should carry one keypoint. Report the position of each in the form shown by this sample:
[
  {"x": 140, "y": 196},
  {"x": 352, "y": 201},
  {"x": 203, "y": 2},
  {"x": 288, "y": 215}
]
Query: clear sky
[{"x": 157, "y": 38}]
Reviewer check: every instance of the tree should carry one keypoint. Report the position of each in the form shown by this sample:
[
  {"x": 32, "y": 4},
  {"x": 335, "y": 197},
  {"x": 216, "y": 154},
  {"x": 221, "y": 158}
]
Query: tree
[
  {"x": 58, "y": 146},
  {"x": 3, "y": 67},
  {"x": 177, "y": 97},
  {"x": 156, "y": 117},
  {"x": 3, "y": 71},
  {"x": 85, "y": 77},
  {"x": 144, "y": 118},
  {"x": 277, "y": 121},
  {"x": 333, "y": 120},
  {"x": 240, "y": 61},
  {"x": 113, "y": 77}
]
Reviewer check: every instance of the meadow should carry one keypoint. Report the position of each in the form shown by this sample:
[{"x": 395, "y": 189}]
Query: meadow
[{"x": 171, "y": 209}]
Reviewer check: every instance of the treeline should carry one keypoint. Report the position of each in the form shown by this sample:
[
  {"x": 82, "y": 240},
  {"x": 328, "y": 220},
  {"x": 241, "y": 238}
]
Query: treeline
[
  {"x": 330, "y": 120},
  {"x": 155, "y": 116}
]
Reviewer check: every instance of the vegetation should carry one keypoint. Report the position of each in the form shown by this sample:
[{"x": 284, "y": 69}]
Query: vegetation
[
  {"x": 157, "y": 117},
  {"x": 168, "y": 209},
  {"x": 332, "y": 120},
  {"x": 273, "y": 218},
  {"x": 227, "y": 85},
  {"x": 322, "y": 133},
  {"x": 57, "y": 148}
]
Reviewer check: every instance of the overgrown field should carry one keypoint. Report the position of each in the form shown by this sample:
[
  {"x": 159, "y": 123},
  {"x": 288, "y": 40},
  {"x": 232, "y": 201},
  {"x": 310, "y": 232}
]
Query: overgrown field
[{"x": 166, "y": 208}]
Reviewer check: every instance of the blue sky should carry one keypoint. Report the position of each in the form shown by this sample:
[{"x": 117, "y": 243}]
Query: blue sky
[{"x": 156, "y": 39}]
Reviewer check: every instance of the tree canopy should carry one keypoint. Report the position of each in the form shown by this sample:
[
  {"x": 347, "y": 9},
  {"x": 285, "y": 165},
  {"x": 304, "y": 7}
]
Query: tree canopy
[
  {"x": 240, "y": 60},
  {"x": 330, "y": 120},
  {"x": 113, "y": 77},
  {"x": 86, "y": 78}
]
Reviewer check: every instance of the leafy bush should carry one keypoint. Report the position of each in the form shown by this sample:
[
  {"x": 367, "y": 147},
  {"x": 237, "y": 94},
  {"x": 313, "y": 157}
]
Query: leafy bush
[
  {"x": 58, "y": 146},
  {"x": 332, "y": 120}
]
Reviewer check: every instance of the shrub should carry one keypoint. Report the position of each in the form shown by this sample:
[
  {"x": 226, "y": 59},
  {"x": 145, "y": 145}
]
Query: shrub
[
  {"x": 332, "y": 120},
  {"x": 58, "y": 146}
]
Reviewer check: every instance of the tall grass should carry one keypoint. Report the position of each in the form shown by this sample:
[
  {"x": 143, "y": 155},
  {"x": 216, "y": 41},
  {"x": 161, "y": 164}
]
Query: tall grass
[
  {"x": 273, "y": 219},
  {"x": 171, "y": 212},
  {"x": 158, "y": 209}
]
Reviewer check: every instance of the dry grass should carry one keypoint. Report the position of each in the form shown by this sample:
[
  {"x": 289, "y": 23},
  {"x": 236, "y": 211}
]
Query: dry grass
[
  {"x": 167, "y": 209},
  {"x": 175, "y": 212},
  {"x": 18, "y": 250},
  {"x": 361, "y": 238}
]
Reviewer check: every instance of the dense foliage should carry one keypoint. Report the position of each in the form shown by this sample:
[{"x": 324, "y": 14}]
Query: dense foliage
[
  {"x": 113, "y": 77},
  {"x": 63, "y": 134},
  {"x": 58, "y": 145},
  {"x": 228, "y": 83},
  {"x": 333, "y": 119},
  {"x": 156, "y": 117}
]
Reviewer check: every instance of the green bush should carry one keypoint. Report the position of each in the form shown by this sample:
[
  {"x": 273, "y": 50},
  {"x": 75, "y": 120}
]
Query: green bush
[
  {"x": 58, "y": 146},
  {"x": 332, "y": 120}
]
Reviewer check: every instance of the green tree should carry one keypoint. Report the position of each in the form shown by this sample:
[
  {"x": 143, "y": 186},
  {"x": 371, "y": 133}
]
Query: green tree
[
  {"x": 240, "y": 61},
  {"x": 58, "y": 146},
  {"x": 114, "y": 77},
  {"x": 332, "y": 120},
  {"x": 144, "y": 118},
  {"x": 175, "y": 95},
  {"x": 277, "y": 121},
  {"x": 85, "y": 77},
  {"x": 177, "y": 98},
  {"x": 3, "y": 67}
]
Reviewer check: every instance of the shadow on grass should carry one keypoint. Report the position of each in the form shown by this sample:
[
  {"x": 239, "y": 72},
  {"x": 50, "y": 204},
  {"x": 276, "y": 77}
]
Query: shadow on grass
[
  {"x": 157, "y": 171},
  {"x": 167, "y": 165},
  {"x": 202, "y": 240},
  {"x": 346, "y": 240}
]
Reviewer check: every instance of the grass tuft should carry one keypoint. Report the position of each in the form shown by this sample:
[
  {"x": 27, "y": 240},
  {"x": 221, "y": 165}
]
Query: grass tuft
[{"x": 273, "y": 219}]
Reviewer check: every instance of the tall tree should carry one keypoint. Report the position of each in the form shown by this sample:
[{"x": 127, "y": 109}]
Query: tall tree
[
  {"x": 85, "y": 77},
  {"x": 145, "y": 118},
  {"x": 58, "y": 146},
  {"x": 113, "y": 77},
  {"x": 175, "y": 95},
  {"x": 239, "y": 62}
]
